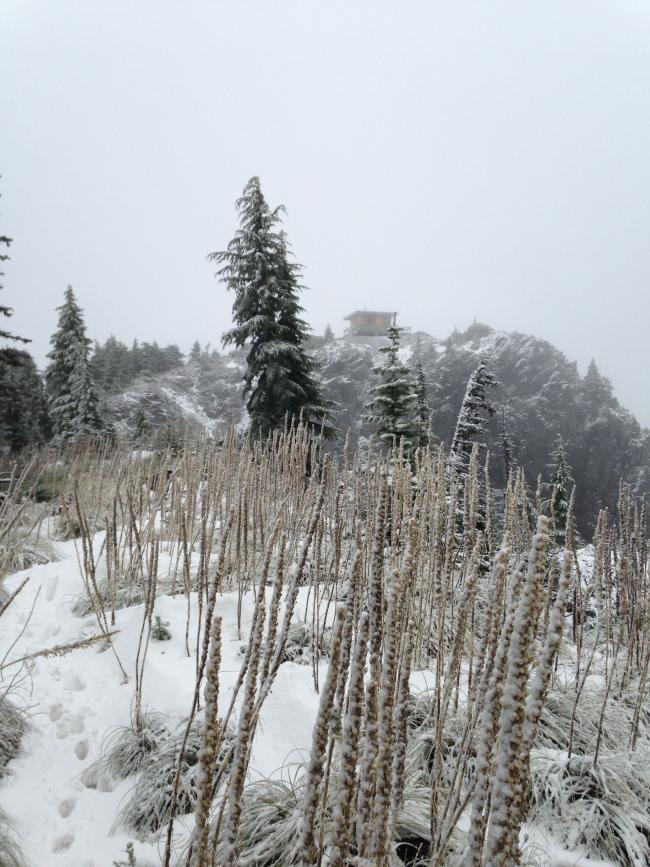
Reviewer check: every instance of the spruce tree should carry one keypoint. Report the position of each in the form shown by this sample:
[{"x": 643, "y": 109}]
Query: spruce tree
[
  {"x": 71, "y": 392},
  {"x": 279, "y": 382},
  {"x": 23, "y": 416},
  {"x": 140, "y": 425},
  {"x": 561, "y": 487},
  {"x": 422, "y": 406},
  {"x": 596, "y": 389},
  {"x": 471, "y": 419},
  {"x": 507, "y": 448},
  {"x": 328, "y": 335},
  {"x": 8, "y": 355},
  {"x": 393, "y": 400},
  {"x": 195, "y": 352}
]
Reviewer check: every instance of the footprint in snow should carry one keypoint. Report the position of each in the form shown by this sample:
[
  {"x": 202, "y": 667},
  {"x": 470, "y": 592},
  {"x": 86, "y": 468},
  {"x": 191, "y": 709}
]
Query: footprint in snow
[
  {"x": 50, "y": 591},
  {"x": 61, "y": 844},
  {"x": 53, "y": 630},
  {"x": 66, "y": 807},
  {"x": 56, "y": 712},
  {"x": 71, "y": 724},
  {"x": 94, "y": 778},
  {"x": 75, "y": 683},
  {"x": 81, "y": 750}
]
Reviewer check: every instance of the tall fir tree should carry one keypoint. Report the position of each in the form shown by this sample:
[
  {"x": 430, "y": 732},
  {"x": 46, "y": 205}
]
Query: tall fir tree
[
  {"x": 23, "y": 409},
  {"x": 140, "y": 424},
  {"x": 422, "y": 406},
  {"x": 8, "y": 354},
  {"x": 70, "y": 387},
  {"x": 597, "y": 389},
  {"x": 507, "y": 448},
  {"x": 393, "y": 400},
  {"x": 471, "y": 421},
  {"x": 280, "y": 380},
  {"x": 561, "y": 485}
]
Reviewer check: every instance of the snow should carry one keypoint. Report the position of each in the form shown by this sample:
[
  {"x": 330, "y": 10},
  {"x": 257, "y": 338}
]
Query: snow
[
  {"x": 188, "y": 407},
  {"x": 63, "y": 816},
  {"x": 75, "y": 700}
]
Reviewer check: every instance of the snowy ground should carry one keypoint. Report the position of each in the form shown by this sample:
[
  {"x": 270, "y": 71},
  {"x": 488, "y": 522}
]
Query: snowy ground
[{"x": 64, "y": 818}]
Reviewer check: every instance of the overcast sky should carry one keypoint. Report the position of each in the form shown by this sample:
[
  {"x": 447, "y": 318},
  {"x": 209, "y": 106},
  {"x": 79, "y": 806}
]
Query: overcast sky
[{"x": 450, "y": 160}]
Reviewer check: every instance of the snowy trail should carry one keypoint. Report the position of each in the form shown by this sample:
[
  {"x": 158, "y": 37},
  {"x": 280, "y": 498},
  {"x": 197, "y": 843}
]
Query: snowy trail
[{"x": 62, "y": 816}]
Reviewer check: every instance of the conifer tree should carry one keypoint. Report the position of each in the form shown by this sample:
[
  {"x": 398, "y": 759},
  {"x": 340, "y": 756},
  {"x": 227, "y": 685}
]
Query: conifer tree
[
  {"x": 393, "y": 400},
  {"x": 596, "y": 388},
  {"x": 8, "y": 355},
  {"x": 70, "y": 387},
  {"x": 507, "y": 447},
  {"x": 279, "y": 382},
  {"x": 471, "y": 419},
  {"x": 561, "y": 486},
  {"x": 139, "y": 424},
  {"x": 23, "y": 415},
  {"x": 328, "y": 335},
  {"x": 195, "y": 351},
  {"x": 422, "y": 406}
]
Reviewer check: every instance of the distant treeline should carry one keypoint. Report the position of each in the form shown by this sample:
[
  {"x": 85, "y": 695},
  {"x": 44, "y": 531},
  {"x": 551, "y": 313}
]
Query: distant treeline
[{"x": 115, "y": 365}]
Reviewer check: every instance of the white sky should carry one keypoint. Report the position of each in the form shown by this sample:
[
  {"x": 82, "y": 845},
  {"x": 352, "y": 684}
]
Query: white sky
[{"x": 449, "y": 159}]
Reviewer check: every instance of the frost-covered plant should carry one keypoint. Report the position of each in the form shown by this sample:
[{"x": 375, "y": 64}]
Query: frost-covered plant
[
  {"x": 25, "y": 547},
  {"x": 319, "y": 749},
  {"x": 127, "y": 749},
  {"x": 149, "y": 805},
  {"x": 122, "y": 597},
  {"x": 131, "y": 860},
  {"x": 558, "y": 711},
  {"x": 10, "y": 854},
  {"x": 300, "y": 642},
  {"x": 603, "y": 807},
  {"x": 12, "y": 728},
  {"x": 502, "y": 843},
  {"x": 160, "y": 630},
  {"x": 208, "y": 753},
  {"x": 271, "y": 818}
]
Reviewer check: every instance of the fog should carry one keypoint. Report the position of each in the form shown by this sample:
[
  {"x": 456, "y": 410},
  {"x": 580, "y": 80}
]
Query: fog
[{"x": 450, "y": 160}]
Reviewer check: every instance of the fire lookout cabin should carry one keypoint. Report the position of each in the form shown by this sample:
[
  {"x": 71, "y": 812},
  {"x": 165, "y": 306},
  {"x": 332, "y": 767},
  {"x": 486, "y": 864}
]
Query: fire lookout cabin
[{"x": 370, "y": 323}]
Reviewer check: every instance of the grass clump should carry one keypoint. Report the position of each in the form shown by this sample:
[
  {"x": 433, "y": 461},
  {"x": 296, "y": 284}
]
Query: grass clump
[
  {"x": 127, "y": 749},
  {"x": 12, "y": 728},
  {"x": 149, "y": 806},
  {"x": 10, "y": 854},
  {"x": 602, "y": 807}
]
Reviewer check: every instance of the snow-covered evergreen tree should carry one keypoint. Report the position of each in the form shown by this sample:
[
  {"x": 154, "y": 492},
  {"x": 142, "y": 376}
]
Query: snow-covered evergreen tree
[
  {"x": 280, "y": 381},
  {"x": 23, "y": 412},
  {"x": 471, "y": 419},
  {"x": 195, "y": 351},
  {"x": 422, "y": 406},
  {"x": 561, "y": 485},
  {"x": 139, "y": 424},
  {"x": 72, "y": 396},
  {"x": 596, "y": 388},
  {"x": 392, "y": 405},
  {"x": 328, "y": 335},
  {"x": 507, "y": 447},
  {"x": 8, "y": 355}
]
